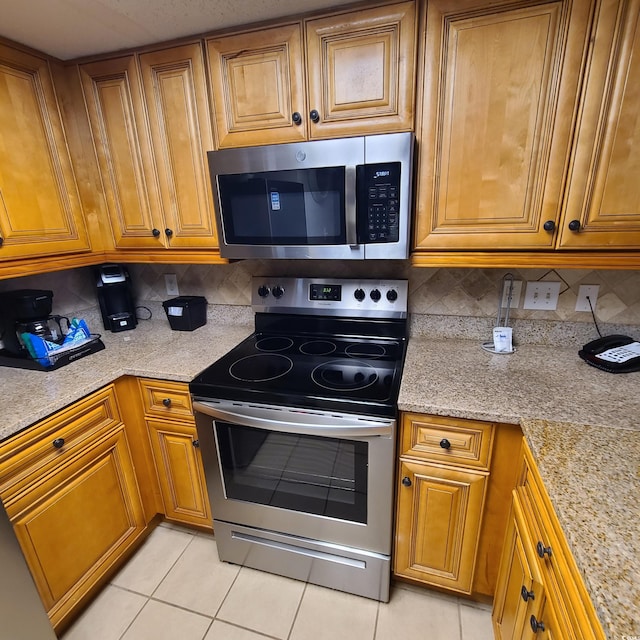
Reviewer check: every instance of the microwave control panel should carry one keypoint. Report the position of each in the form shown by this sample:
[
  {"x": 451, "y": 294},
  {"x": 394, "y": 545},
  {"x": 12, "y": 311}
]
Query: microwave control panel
[{"x": 379, "y": 199}]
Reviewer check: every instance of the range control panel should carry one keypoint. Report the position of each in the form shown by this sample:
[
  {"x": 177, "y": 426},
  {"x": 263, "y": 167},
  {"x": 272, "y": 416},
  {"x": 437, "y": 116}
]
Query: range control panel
[{"x": 331, "y": 296}]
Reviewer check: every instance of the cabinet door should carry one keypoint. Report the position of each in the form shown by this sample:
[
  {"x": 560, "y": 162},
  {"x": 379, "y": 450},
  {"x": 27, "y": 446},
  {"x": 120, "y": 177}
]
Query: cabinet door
[
  {"x": 438, "y": 522},
  {"x": 180, "y": 472},
  {"x": 176, "y": 97},
  {"x": 500, "y": 85},
  {"x": 113, "y": 93},
  {"x": 74, "y": 524},
  {"x": 361, "y": 71},
  {"x": 40, "y": 209},
  {"x": 603, "y": 198},
  {"x": 257, "y": 86},
  {"x": 519, "y": 592}
]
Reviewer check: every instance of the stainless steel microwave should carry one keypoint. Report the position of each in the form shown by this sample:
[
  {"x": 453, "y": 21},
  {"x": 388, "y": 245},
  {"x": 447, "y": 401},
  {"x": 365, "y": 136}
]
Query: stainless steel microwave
[{"x": 346, "y": 198}]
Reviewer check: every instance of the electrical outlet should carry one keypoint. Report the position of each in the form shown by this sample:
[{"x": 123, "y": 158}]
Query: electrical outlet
[
  {"x": 542, "y": 295},
  {"x": 171, "y": 283},
  {"x": 515, "y": 294},
  {"x": 591, "y": 290}
]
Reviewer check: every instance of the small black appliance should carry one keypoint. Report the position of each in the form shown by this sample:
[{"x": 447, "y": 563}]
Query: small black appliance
[{"x": 115, "y": 297}]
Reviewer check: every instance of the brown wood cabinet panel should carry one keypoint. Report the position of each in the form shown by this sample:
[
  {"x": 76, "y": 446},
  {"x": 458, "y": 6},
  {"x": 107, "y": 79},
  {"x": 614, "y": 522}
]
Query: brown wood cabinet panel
[
  {"x": 604, "y": 191},
  {"x": 438, "y": 522},
  {"x": 40, "y": 212},
  {"x": 257, "y": 84},
  {"x": 117, "y": 113},
  {"x": 500, "y": 87},
  {"x": 361, "y": 70},
  {"x": 180, "y": 471},
  {"x": 179, "y": 116}
]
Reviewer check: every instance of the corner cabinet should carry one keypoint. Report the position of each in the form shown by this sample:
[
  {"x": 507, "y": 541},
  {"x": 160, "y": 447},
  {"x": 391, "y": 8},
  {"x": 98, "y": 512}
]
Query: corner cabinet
[
  {"x": 442, "y": 483},
  {"x": 175, "y": 446},
  {"x": 150, "y": 122},
  {"x": 540, "y": 592},
  {"x": 69, "y": 488},
  {"x": 359, "y": 77},
  {"x": 40, "y": 212}
]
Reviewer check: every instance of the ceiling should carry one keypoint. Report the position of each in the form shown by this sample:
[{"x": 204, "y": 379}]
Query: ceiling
[{"x": 69, "y": 29}]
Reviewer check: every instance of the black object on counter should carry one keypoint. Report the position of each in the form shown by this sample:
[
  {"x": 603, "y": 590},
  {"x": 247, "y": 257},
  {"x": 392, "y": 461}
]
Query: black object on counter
[{"x": 186, "y": 313}]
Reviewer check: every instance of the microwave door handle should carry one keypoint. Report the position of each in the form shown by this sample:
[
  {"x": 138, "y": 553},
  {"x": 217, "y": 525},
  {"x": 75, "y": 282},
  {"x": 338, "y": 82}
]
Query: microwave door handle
[{"x": 350, "y": 206}]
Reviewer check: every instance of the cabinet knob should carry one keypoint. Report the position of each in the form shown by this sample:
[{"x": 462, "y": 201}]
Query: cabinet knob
[
  {"x": 406, "y": 481},
  {"x": 168, "y": 232},
  {"x": 296, "y": 117},
  {"x": 527, "y": 595},
  {"x": 574, "y": 225},
  {"x": 536, "y": 625},
  {"x": 167, "y": 402},
  {"x": 155, "y": 233},
  {"x": 1, "y": 241},
  {"x": 542, "y": 550},
  {"x": 58, "y": 443},
  {"x": 445, "y": 444},
  {"x": 314, "y": 115},
  {"x": 196, "y": 443},
  {"x": 549, "y": 225}
]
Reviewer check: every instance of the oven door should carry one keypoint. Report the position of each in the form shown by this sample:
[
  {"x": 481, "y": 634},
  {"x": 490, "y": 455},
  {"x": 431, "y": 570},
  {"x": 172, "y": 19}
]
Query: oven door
[{"x": 320, "y": 476}]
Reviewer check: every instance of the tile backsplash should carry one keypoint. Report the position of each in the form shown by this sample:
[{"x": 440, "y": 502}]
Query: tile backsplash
[{"x": 441, "y": 293}]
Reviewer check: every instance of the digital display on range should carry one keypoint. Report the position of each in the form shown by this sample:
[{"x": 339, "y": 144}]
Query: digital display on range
[{"x": 325, "y": 292}]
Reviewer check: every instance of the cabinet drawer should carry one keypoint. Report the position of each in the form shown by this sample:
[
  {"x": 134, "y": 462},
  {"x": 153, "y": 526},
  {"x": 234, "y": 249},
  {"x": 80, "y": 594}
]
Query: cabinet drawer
[
  {"x": 162, "y": 399},
  {"x": 39, "y": 449},
  {"x": 447, "y": 440}
]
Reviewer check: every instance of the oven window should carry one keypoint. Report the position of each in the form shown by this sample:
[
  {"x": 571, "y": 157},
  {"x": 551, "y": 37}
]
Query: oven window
[
  {"x": 312, "y": 474},
  {"x": 293, "y": 207}
]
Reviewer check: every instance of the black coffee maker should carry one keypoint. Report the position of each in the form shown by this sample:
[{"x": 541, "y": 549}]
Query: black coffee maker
[
  {"x": 115, "y": 296},
  {"x": 28, "y": 311}
]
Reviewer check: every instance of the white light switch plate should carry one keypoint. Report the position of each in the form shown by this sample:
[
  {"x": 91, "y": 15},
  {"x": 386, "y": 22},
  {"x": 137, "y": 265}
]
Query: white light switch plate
[
  {"x": 542, "y": 295},
  {"x": 171, "y": 283}
]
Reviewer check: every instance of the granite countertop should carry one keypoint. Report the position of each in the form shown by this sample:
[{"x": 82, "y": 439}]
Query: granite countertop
[
  {"x": 583, "y": 427},
  {"x": 582, "y": 424}
]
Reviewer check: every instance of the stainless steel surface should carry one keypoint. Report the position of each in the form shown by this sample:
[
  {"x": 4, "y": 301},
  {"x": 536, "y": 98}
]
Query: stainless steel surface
[
  {"x": 374, "y": 536},
  {"x": 22, "y": 614},
  {"x": 295, "y": 297},
  {"x": 347, "y": 152},
  {"x": 329, "y": 565}
]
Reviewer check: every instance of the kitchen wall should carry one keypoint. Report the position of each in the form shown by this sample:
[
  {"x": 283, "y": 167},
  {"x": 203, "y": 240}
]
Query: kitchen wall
[{"x": 443, "y": 302}]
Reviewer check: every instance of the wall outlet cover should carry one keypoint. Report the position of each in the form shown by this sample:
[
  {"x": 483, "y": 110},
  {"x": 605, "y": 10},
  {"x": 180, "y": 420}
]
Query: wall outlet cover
[
  {"x": 542, "y": 295},
  {"x": 171, "y": 283},
  {"x": 591, "y": 290}
]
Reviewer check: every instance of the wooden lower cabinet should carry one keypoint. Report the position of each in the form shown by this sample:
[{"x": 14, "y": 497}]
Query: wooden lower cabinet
[
  {"x": 540, "y": 593},
  {"x": 70, "y": 490},
  {"x": 176, "y": 452}
]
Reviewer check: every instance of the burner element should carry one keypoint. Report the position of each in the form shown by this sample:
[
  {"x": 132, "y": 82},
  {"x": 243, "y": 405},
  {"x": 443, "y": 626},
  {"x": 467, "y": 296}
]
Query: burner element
[
  {"x": 317, "y": 348},
  {"x": 344, "y": 375},
  {"x": 364, "y": 350},
  {"x": 273, "y": 344},
  {"x": 261, "y": 367}
]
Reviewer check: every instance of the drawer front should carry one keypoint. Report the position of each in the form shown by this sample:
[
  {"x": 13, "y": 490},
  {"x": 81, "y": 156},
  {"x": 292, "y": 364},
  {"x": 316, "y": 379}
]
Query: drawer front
[
  {"x": 41, "y": 448},
  {"x": 162, "y": 399},
  {"x": 453, "y": 441}
]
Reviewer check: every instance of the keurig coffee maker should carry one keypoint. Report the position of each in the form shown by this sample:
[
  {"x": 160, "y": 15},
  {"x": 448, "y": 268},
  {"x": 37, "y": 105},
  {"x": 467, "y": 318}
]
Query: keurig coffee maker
[{"x": 115, "y": 297}]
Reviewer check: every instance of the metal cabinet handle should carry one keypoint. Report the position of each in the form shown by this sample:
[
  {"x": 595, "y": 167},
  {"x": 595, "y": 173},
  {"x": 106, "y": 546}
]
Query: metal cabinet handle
[
  {"x": 168, "y": 232},
  {"x": 536, "y": 625},
  {"x": 58, "y": 443},
  {"x": 314, "y": 115},
  {"x": 196, "y": 443},
  {"x": 406, "y": 481},
  {"x": 574, "y": 225},
  {"x": 155, "y": 233},
  {"x": 445, "y": 444},
  {"x": 1, "y": 241},
  {"x": 167, "y": 402},
  {"x": 542, "y": 550},
  {"x": 296, "y": 117},
  {"x": 527, "y": 595},
  {"x": 549, "y": 225}
]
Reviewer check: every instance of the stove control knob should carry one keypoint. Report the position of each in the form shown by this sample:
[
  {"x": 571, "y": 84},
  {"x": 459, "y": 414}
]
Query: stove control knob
[
  {"x": 392, "y": 295},
  {"x": 359, "y": 295},
  {"x": 375, "y": 295},
  {"x": 277, "y": 292},
  {"x": 263, "y": 291}
]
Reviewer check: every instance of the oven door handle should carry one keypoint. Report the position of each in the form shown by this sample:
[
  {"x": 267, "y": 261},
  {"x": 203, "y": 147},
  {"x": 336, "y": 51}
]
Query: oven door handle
[{"x": 297, "y": 421}]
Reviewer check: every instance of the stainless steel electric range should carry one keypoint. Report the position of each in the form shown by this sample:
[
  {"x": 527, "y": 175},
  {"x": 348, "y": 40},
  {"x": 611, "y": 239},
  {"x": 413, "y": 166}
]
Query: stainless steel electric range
[{"x": 297, "y": 428}]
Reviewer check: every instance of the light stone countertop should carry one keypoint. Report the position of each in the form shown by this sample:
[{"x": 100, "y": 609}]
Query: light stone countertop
[
  {"x": 590, "y": 472},
  {"x": 583, "y": 427}
]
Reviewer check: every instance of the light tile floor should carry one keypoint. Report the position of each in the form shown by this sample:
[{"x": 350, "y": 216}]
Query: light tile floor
[{"x": 175, "y": 588}]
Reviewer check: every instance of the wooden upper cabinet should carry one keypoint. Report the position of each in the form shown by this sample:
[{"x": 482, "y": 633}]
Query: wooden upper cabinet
[
  {"x": 604, "y": 191},
  {"x": 257, "y": 85},
  {"x": 359, "y": 78},
  {"x": 361, "y": 70},
  {"x": 40, "y": 212},
  {"x": 500, "y": 90},
  {"x": 150, "y": 122}
]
